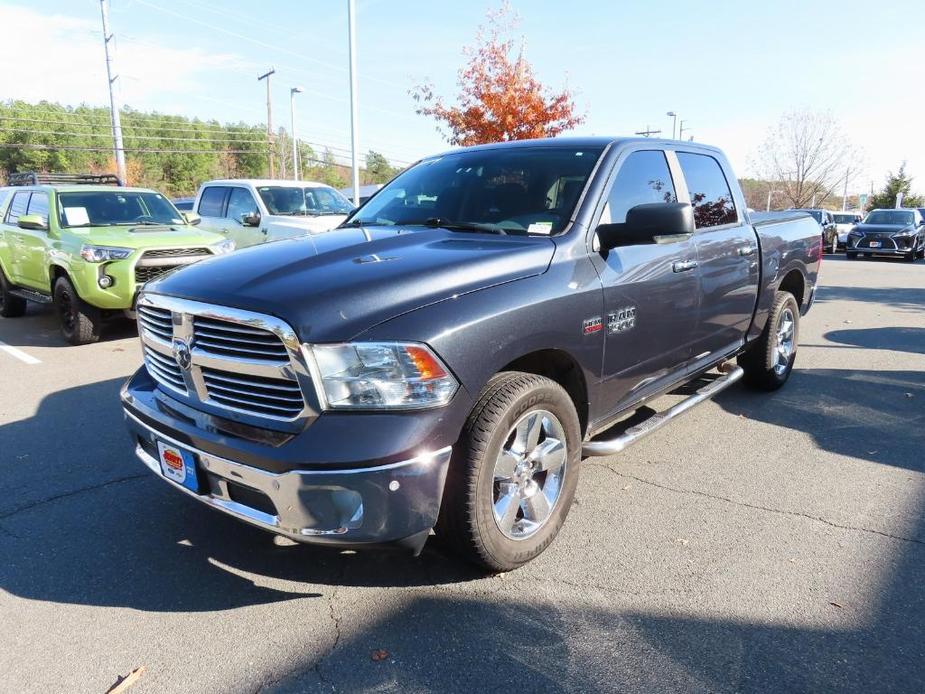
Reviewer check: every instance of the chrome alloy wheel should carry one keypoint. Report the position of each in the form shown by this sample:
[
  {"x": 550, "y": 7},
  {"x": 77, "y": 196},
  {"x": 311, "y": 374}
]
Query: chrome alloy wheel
[
  {"x": 529, "y": 473},
  {"x": 785, "y": 342}
]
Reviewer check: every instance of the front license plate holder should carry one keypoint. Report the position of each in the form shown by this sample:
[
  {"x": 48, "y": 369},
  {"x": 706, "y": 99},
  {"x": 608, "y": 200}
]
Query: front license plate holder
[
  {"x": 875, "y": 244},
  {"x": 178, "y": 465}
]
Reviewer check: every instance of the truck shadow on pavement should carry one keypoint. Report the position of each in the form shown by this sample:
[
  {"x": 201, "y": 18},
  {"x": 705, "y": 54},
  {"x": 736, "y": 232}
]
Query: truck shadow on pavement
[
  {"x": 904, "y": 298},
  {"x": 871, "y": 415},
  {"x": 901, "y": 339}
]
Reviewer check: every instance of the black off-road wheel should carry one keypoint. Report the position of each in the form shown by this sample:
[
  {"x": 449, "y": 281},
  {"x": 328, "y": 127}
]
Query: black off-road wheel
[
  {"x": 513, "y": 474},
  {"x": 10, "y": 306},
  {"x": 769, "y": 361},
  {"x": 80, "y": 323}
]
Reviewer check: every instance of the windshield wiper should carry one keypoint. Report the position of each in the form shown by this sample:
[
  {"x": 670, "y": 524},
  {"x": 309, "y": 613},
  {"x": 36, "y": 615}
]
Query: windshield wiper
[{"x": 443, "y": 223}]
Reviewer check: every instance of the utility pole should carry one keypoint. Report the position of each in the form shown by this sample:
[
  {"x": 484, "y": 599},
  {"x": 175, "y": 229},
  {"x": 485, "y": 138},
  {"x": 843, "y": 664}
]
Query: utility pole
[
  {"x": 118, "y": 149},
  {"x": 354, "y": 114},
  {"x": 674, "y": 123},
  {"x": 266, "y": 76},
  {"x": 295, "y": 147},
  {"x": 682, "y": 129},
  {"x": 648, "y": 132}
]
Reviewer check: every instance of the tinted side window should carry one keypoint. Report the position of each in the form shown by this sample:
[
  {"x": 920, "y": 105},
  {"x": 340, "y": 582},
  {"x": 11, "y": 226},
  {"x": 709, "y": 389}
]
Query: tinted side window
[
  {"x": 18, "y": 207},
  {"x": 710, "y": 193},
  {"x": 240, "y": 203},
  {"x": 212, "y": 201},
  {"x": 38, "y": 204},
  {"x": 643, "y": 178}
]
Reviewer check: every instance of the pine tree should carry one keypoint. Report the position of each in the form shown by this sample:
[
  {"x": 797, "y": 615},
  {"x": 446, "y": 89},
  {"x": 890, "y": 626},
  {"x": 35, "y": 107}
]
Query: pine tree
[{"x": 897, "y": 183}]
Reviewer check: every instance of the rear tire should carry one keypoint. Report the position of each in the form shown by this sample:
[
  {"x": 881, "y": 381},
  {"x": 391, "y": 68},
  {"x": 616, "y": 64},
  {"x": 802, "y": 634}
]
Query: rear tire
[
  {"x": 10, "y": 306},
  {"x": 80, "y": 322},
  {"x": 513, "y": 474},
  {"x": 769, "y": 361}
]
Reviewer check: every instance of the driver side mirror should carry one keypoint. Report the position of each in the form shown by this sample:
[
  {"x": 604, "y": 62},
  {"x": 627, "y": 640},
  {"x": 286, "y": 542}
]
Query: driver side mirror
[
  {"x": 250, "y": 220},
  {"x": 191, "y": 218},
  {"x": 32, "y": 221},
  {"x": 647, "y": 224}
]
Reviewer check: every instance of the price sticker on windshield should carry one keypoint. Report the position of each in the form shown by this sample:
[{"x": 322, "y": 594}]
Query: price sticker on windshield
[{"x": 540, "y": 228}]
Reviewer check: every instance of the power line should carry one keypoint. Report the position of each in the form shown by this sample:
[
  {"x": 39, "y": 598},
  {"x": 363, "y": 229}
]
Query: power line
[
  {"x": 131, "y": 150},
  {"x": 128, "y": 136},
  {"x": 130, "y": 116}
]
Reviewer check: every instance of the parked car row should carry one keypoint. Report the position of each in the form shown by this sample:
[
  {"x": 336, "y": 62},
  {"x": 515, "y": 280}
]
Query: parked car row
[
  {"x": 882, "y": 232},
  {"x": 87, "y": 244}
]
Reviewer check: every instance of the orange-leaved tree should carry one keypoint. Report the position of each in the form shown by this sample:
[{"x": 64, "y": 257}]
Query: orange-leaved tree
[{"x": 499, "y": 99}]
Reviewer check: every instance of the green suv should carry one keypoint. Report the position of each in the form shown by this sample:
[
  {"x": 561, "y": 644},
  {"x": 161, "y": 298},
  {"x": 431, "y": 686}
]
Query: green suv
[{"x": 88, "y": 247}]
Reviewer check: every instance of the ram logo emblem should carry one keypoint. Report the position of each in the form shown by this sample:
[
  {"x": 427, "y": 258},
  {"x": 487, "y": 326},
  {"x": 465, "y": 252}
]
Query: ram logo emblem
[{"x": 622, "y": 320}]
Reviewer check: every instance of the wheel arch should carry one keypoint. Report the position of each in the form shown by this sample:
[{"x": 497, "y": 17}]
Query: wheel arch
[
  {"x": 794, "y": 283},
  {"x": 561, "y": 367}
]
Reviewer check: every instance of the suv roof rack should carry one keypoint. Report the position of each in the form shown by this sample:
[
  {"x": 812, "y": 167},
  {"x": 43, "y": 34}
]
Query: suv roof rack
[{"x": 33, "y": 178}]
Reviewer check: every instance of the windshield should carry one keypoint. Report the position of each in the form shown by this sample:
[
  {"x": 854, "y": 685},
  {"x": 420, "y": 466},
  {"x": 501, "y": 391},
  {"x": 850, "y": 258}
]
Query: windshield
[
  {"x": 514, "y": 189},
  {"x": 115, "y": 208},
  {"x": 294, "y": 200},
  {"x": 890, "y": 217},
  {"x": 845, "y": 219}
]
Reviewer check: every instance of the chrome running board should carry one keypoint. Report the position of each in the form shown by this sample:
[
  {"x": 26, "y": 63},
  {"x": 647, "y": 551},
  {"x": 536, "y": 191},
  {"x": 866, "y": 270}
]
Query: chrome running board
[{"x": 659, "y": 419}]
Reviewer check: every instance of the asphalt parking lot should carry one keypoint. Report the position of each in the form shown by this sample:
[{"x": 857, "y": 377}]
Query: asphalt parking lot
[{"x": 760, "y": 543}]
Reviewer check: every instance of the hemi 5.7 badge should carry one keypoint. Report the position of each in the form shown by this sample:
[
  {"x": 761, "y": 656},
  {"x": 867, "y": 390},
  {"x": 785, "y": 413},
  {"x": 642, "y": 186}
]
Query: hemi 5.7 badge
[{"x": 592, "y": 325}]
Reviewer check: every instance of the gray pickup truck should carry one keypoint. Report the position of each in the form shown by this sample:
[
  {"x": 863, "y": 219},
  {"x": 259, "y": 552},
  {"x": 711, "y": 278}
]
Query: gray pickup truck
[{"x": 445, "y": 359}]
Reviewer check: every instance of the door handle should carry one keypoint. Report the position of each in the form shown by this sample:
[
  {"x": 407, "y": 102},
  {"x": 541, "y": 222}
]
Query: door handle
[
  {"x": 683, "y": 265},
  {"x": 746, "y": 250}
]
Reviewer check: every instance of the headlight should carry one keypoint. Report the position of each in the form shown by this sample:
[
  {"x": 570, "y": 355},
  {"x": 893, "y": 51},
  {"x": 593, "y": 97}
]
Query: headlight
[
  {"x": 101, "y": 254},
  {"x": 905, "y": 232},
  {"x": 381, "y": 375},
  {"x": 223, "y": 247}
]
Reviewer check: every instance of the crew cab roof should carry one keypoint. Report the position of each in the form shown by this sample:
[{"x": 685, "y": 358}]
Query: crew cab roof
[{"x": 595, "y": 141}]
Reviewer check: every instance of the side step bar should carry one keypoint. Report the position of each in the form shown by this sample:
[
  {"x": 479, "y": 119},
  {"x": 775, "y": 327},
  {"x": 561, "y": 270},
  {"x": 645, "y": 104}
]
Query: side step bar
[
  {"x": 30, "y": 295},
  {"x": 659, "y": 419}
]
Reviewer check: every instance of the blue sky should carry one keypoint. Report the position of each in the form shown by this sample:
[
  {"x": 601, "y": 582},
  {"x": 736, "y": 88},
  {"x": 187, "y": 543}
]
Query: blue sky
[{"x": 730, "y": 69}]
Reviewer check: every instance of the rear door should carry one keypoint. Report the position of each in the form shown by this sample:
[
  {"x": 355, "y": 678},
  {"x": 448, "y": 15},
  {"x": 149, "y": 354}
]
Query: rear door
[
  {"x": 13, "y": 235},
  {"x": 651, "y": 291},
  {"x": 211, "y": 208},
  {"x": 33, "y": 268},
  {"x": 727, "y": 250}
]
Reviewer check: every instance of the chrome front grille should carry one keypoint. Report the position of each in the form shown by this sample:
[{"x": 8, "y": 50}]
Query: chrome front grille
[
  {"x": 242, "y": 365},
  {"x": 270, "y": 396},
  {"x": 158, "y": 321},
  {"x": 236, "y": 340}
]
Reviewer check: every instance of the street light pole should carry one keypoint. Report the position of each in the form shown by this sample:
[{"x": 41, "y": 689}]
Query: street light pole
[
  {"x": 674, "y": 123},
  {"x": 681, "y": 130},
  {"x": 295, "y": 147},
  {"x": 354, "y": 116},
  {"x": 266, "y": 76},
  {"x": 118, "y": 149}
]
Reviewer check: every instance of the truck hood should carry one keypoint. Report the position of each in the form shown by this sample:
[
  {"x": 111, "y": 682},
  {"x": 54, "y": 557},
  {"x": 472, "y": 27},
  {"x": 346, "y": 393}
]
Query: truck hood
[
  {"x": 334, "y": 286},
  {"x": 146, "y": 236}
]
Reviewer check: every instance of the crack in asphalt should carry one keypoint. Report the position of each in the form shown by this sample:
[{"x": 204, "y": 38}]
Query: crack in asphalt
[
  {"x": 73, "y": 492},
  {"x": 756, "y": 507}
]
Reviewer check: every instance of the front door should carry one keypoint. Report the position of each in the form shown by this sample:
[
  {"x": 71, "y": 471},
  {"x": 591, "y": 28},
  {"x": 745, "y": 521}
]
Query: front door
[
  {"x": 728, "y": 253},
  {"x": 241, "y": 204},
  {"x": 651, "y": 291},
  {"x": 211, "y": 209},
  {"x": 33, "y": 268}
]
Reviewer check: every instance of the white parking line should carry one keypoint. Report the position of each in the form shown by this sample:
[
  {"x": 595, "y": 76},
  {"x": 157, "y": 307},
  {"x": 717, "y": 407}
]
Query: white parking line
[{"x": 18, "y": 353}]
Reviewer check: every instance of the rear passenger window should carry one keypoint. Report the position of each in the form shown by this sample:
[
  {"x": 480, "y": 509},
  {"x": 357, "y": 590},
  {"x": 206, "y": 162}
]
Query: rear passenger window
[
  {"x": 38, "y": 204},
  {"x": 643, "y": 178},
  {"x": 17, "y": 207},
  {"x": 212, "y": 201},
  {"x": 710, "y": 193}
]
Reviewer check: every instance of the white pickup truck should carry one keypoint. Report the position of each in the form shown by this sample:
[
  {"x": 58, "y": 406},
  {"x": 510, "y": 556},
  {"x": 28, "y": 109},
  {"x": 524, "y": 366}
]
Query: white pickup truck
[{"x": 254, "y": 211}]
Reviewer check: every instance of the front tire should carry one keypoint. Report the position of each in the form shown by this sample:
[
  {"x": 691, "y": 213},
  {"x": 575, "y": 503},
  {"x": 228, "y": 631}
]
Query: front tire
[
  {"x": 10, "y": 306},
  {"x": 513, "y": 474},
  {"x": 768, "y": 362},
  {"x": 80, "y": 322}
]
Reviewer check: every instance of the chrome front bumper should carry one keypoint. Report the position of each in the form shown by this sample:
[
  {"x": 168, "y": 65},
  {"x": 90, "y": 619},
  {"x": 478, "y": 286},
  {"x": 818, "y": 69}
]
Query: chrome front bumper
[{"x": 346, "y": 507}]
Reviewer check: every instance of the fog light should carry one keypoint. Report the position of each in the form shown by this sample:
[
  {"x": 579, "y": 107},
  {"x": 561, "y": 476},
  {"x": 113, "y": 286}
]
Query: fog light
[{"x": 105, "y": 281}]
